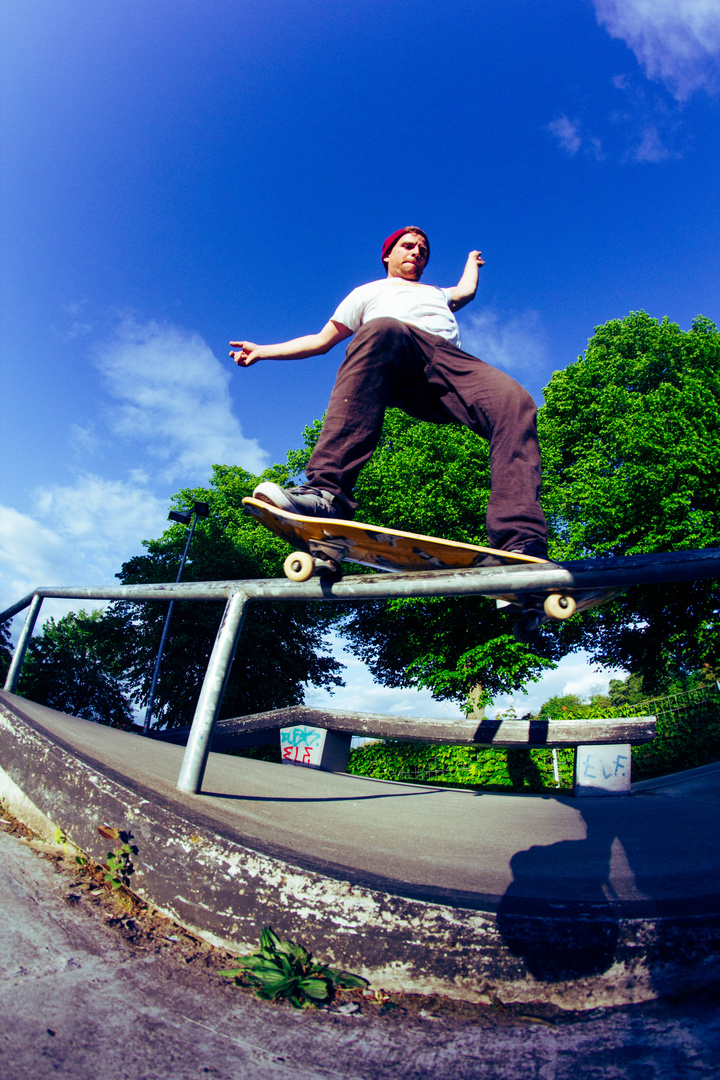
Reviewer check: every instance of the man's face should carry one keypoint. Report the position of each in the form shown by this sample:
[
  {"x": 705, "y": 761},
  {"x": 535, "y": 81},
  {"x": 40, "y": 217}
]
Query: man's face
[{"x": 408, "y": 258}]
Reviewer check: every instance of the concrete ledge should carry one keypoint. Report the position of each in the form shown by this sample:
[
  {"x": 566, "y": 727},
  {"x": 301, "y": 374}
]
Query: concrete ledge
[
  {"x": 520, "y": 898},
  {"x": 256, "y": 728}
]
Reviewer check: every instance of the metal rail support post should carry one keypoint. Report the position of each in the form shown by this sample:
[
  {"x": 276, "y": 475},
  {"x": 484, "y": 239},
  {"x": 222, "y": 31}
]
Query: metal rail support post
[
  {"x": 211, "y": 695},
  {"x": 23, "y": 641}
]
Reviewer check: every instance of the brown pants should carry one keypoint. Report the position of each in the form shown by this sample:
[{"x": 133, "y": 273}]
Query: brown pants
[{"x": 391, "y": 364}]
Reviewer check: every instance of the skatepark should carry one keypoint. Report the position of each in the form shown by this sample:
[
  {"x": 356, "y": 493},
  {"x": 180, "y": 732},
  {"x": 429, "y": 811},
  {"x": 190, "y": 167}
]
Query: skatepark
[{"x": 581, "y": 902}]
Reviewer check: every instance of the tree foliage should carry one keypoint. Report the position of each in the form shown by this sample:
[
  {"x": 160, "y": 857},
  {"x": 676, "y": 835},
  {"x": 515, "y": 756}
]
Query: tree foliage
[
  {"x": 73, "y": 666},
  {"x": 499, "y": 768},
  {"x": 631, "y": 455},
  {"x": 631, "y": 440},
  {"x": 281, "y": 647},
  {"x": 627, "y": 691}
]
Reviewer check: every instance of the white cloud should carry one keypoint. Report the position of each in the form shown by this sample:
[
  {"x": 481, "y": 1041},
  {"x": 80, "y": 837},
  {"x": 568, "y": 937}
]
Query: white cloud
[
  {"x": 75, "y": 328},
  {"x": 79, "y": 534},
  {"x": 575, "y": 674},
  {"x": 98, "y": 514},
  {"x": 567, "y": 133},
  {"x": 173, "y": 396},
  {"x": 650, "y": 127},
  {"x": 645, "y": 129},
  {"x": 517, "y": 344},
  {"x": 171, "y": 400},
  {"x": 83, "y": 441},
  {"x": 572, "y": 138},
  {"x": 677, "y": 42},
  {"x": 651, "y": 147},
  {"x": 28, "y": 551}
]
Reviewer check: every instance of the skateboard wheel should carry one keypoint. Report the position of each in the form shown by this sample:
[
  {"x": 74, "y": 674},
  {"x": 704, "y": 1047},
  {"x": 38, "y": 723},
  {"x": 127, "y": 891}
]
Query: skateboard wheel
[
  {"x": 299, "y": 566},
  {"x": 558, "y": 606}
]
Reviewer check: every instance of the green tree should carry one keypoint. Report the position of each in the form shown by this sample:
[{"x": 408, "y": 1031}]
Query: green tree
[
  {"x": 631, "y": 455},
  {"x": 282, "y": 645},
  {"x": 627, "y": 691},
  {"x": 73, "y": 666},
  {"x": 572, "y": 705}
]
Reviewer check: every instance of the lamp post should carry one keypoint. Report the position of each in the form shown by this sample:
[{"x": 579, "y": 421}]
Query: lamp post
[{"x": 199, "y": 510}]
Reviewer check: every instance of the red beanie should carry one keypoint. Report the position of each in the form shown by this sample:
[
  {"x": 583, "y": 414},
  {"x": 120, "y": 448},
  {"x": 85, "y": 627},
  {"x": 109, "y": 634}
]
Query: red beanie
[{"x": 394, "y": 237}]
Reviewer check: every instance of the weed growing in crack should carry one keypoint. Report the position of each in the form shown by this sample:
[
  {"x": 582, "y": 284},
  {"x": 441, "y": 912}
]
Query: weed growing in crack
[
  {"x": 119, "y": 864},
  {"x": 282, "y": 970}
]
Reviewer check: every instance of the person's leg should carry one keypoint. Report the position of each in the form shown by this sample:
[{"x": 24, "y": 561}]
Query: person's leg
[
  {"x": 495, "y": 406},
  {"x": 390, "y": 363},
  {"x": 384, "y": 360}
]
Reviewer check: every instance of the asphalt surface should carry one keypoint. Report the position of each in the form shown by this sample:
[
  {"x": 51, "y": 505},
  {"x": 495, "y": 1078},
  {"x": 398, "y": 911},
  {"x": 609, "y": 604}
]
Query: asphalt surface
[
  {"x": 648, "y": 850},
  {"x": 78, "y": 999}
]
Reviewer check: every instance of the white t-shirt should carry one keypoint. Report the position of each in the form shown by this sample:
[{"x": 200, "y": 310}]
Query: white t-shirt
[{"x": 424, "y": 306}]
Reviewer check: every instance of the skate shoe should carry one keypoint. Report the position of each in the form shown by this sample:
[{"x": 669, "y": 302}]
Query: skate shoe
[
  {"x": 536, "y": 548},
  {"x": 304, "y": 500}
]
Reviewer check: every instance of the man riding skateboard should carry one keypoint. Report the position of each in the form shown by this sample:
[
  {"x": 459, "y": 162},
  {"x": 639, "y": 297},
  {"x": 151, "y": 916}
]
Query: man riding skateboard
[{"x": 406, "y": 354}]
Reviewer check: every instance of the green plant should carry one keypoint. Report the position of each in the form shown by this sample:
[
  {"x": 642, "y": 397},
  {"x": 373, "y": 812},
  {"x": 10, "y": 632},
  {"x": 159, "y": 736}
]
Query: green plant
[
  {"x": 284, "y": 970},
  {"x": 466, "y": 766},
  {"x": 119, "y": 862}
]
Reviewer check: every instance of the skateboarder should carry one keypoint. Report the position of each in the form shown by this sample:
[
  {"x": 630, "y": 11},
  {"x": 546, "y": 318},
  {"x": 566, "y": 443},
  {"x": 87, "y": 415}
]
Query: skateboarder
[{"x": 406, "y": 353}]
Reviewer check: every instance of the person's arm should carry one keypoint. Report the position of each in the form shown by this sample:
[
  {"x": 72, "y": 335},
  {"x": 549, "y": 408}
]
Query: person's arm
[
  {"x": 466, "y": 287},
  {"x": 246, "y": 353}
]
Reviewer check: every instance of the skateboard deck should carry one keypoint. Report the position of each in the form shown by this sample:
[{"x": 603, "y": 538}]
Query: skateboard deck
[
  {"x": 325, "y": 542},
  {"x": 372, "y": 545}
]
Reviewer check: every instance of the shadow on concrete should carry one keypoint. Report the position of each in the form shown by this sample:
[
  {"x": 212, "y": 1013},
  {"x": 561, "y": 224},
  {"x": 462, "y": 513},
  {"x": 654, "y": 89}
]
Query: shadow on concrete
[
  {"x": 562, "y": 938},
  {"x": 307, "y": 800},
  {"x": 627, "y": 863}
]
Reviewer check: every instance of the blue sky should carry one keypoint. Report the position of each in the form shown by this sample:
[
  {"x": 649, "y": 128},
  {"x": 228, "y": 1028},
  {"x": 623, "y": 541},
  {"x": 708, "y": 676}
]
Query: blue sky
[{"x": 183, "y": 172}]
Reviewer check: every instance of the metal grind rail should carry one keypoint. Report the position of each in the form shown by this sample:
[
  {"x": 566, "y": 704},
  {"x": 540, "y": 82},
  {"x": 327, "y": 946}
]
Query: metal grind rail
[{"x": 611, "y": 573}]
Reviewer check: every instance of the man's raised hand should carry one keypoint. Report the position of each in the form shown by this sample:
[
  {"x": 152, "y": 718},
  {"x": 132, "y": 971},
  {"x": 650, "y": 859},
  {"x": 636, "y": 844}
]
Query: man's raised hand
[{"x": 466, "y": 287}]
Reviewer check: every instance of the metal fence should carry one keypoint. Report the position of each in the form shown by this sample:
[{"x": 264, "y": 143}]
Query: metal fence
[{"x": 670, "y": 704}]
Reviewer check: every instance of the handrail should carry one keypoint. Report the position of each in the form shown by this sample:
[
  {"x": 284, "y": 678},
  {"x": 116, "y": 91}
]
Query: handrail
[
  {"x": 616, "y": 572},
  {"x": 610, "y": 573}
]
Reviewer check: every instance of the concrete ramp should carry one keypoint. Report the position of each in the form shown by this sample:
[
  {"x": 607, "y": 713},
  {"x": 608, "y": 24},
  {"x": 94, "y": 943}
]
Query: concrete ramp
[{"x": 478, "y": 896}]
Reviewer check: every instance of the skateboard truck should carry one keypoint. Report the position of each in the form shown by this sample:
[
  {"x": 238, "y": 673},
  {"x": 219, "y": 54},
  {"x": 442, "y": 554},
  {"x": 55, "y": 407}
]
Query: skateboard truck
[{"x": 302, "y": 565}]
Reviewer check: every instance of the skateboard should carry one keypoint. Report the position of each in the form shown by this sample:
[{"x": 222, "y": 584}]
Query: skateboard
[{"x": 324, "y": 543}]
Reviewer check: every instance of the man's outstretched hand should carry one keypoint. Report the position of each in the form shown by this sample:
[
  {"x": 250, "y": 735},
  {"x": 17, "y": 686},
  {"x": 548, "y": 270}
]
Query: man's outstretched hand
[{"x": 247, "y": 353}]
